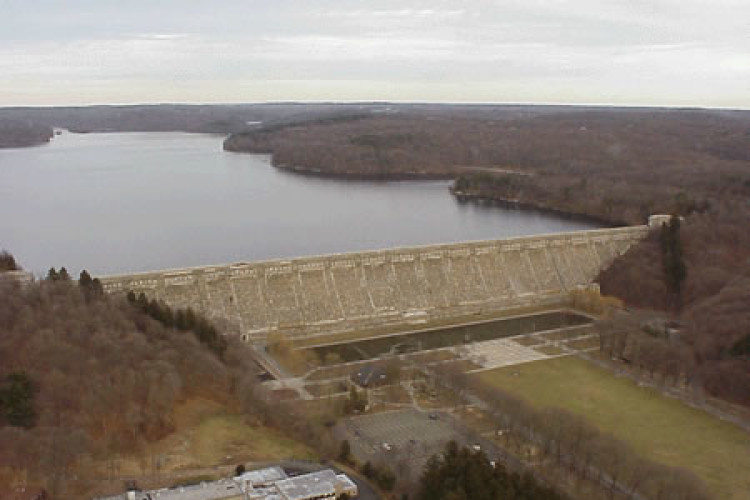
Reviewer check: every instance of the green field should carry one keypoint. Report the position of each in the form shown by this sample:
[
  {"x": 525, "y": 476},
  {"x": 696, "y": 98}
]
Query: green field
[{"x": 657, "y": 427}]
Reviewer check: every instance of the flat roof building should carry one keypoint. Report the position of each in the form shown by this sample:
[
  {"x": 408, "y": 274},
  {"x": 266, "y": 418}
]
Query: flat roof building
[
  {"x": 316, "y": 485},
  {"x": 223, "y": 489},
  {"x": 271, "y": 483},
  {"x": 262, "y": 478}
]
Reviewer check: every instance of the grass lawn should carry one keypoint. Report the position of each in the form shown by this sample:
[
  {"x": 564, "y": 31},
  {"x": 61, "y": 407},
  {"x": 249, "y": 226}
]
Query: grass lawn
[
  {"x": 657, "y": 427},
  {"x": 208, "y": 434},
  {"x": 209, "y": 440},
  {"x": 222, "y": 436}
]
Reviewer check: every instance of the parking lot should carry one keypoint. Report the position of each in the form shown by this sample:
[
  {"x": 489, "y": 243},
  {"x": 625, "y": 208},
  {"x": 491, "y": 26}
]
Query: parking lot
[{"x": 406, "y": 435}]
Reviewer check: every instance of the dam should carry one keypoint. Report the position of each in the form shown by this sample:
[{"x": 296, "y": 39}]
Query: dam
[{"x": 344, "y": 292}]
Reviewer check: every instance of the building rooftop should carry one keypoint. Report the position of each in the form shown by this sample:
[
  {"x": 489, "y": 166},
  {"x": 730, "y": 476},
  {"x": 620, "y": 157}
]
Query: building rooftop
[
  {"x": 214, "y": 490},
  {"x": 262, "y": 477},
  {"x": 271, "y": 483},
  {"x": 346, "y": 483},
  {"x": 313, "y": 485}
]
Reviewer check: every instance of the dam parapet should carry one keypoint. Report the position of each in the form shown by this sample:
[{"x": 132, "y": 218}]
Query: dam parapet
[{"x": 343, "y": 292}]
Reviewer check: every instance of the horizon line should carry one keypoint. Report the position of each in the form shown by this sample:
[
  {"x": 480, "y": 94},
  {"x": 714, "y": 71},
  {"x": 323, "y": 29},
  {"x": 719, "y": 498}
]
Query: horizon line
[{"x": 374, "y": 102}]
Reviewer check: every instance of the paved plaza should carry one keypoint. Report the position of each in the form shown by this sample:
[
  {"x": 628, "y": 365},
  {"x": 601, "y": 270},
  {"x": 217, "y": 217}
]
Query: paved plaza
[
  {"x": 501, "y": 352},
  {"x": 509, "y": 351}
]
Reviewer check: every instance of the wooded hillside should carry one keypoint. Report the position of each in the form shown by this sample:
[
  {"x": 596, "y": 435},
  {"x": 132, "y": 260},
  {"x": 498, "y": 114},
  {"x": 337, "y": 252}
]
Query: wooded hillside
[
  {"x": 86, "y": 377},
  {"x": 18, "y": 134}
]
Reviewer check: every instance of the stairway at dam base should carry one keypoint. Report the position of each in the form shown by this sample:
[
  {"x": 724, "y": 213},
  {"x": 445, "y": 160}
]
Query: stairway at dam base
[{"x": 344, "y": 292}]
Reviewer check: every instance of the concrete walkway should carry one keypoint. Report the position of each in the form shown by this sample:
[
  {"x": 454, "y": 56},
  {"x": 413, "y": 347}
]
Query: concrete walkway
[{"x": 511, "y": 351}]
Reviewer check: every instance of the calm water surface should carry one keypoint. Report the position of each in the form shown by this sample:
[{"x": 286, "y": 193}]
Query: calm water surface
[{"x": 115, "y": 203}]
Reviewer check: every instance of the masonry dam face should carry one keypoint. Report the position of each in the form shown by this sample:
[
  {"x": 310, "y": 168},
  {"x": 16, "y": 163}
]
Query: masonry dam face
[{"x": 342, "y": 292}]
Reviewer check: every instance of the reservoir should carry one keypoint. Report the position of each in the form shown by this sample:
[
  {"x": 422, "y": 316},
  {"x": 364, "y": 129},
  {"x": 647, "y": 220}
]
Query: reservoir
[{"x": 129, "y": 202}]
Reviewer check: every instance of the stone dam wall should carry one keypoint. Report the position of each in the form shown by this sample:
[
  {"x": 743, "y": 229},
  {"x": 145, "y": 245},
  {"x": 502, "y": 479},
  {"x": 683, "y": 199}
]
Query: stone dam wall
[{"x": 341, "y": 292}]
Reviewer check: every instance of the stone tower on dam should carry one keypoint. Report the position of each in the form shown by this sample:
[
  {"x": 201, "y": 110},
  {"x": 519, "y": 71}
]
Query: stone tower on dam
[{"x": 341, "y": 292}]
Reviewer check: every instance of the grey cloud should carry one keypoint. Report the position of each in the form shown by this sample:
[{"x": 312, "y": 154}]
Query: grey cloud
[{"x": 599, "y": 50}]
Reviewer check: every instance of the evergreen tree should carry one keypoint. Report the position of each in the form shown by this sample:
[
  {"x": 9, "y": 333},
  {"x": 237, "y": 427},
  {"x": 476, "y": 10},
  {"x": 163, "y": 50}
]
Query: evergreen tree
[
  {"x": 181, "y": 319},
  {"x": 190, "y": 320},
  {"x": 84, "y": 280},
  {"x": 741, "y": 347},
  {"x": 17, "y": 400},
  {"x": 8, "y": 262},
  {"x": 463, "y": 474},
  {"x": 97, "y": 287},
  {"x": 345, "y": 452},
  {"x": 91, "y": 288},
  {"x": 367, "y": 470},
  {"x": 673, "y": 263},
  {"x": 180, "y": 322}
]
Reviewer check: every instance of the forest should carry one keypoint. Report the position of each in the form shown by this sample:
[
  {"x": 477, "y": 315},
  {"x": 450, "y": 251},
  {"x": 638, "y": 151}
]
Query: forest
[
  {"x": 212, "y": 119},
  {"x": 85, "y": 377},
  {"x": 23, "y": 133}
]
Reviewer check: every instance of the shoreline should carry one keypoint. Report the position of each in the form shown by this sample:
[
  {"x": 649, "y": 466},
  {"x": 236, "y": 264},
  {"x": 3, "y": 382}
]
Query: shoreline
[
  {"x": 461, "y": 196},
  {"x": 360, "y": 176},
  {"x": 467, "y": 197}
]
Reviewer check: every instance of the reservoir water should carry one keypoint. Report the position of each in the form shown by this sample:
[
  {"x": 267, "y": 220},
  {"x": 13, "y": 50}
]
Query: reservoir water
[{"x": 114, "y": 203}]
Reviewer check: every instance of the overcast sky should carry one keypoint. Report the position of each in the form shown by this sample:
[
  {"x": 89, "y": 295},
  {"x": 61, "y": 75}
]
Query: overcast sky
[{"x": 653, "y": 52}]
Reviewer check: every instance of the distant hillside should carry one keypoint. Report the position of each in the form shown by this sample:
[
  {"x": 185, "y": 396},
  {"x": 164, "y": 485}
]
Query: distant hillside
[
  {"x": 23, "y": 133},
  {"x": 652, "y": 145},
  {"x": 221, "y": 119},
  {"x": 238, "y": 118}
]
